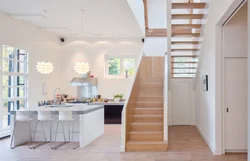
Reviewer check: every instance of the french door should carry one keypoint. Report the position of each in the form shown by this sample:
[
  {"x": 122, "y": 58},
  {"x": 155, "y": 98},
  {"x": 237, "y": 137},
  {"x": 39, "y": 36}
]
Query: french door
[{"x": 14, "y": 84}]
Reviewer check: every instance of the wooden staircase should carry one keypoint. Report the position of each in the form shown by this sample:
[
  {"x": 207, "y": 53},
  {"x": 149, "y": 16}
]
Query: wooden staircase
[{"x": 145, "y": 129}]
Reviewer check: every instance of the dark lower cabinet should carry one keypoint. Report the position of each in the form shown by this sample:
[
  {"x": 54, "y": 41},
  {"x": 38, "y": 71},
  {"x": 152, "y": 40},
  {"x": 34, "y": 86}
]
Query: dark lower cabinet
[{"x": 113, "y": 114}]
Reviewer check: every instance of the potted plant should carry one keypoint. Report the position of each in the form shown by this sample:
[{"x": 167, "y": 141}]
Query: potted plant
[{"x": 118, "y": 97}]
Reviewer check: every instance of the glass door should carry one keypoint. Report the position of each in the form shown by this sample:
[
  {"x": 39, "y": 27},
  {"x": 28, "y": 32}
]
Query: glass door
[{"x": 14, "y": 81}]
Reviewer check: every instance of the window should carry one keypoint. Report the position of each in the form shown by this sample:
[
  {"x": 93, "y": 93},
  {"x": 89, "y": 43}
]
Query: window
[
  {"x": 119, "y": 66},
  {"x": 184, "y": 66},
  {"x": 14, "y": 80}
]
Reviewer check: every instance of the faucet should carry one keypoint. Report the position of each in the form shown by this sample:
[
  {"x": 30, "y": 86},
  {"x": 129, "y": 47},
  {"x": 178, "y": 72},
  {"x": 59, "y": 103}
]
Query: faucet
[{"x": 55, "y": 96}]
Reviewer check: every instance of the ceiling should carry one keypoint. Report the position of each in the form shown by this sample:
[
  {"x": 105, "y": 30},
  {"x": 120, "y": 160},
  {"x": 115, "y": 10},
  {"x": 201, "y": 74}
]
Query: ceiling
[{"x": 102, "y": 18}]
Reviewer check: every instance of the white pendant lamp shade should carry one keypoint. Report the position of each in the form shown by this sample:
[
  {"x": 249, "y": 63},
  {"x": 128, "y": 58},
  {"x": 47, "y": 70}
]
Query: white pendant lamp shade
[
  {"x": 82, "y": 67},
  {"x": 44, "y": 67}
]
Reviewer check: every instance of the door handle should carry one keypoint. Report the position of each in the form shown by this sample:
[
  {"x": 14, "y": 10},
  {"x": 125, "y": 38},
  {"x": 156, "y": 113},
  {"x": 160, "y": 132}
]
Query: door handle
[{"x": 227, "y": 109}]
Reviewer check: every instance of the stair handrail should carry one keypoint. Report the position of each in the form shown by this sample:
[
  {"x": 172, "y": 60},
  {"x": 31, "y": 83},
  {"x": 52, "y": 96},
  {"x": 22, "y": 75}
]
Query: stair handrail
[{"x": 124, "y": 111}]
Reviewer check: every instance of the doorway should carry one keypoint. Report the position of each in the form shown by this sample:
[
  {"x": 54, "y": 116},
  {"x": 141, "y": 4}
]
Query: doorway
[{"x": 235, "y": 81}]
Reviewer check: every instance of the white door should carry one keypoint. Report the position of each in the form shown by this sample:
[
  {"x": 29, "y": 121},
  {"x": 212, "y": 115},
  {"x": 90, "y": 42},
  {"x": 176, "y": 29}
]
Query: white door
[
  {"x": 236, "y": 102},
  {"x": 181, "y": 103}
]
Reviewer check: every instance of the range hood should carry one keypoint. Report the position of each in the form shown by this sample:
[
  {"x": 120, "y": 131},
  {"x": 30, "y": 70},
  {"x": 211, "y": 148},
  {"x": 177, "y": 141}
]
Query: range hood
[{"x": 83, "y": 81}]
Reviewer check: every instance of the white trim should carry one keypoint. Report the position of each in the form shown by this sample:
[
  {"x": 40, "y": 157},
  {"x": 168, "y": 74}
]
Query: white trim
[
  {"x": 4, "y": 133},
  {"x": 214, "y": 151}
]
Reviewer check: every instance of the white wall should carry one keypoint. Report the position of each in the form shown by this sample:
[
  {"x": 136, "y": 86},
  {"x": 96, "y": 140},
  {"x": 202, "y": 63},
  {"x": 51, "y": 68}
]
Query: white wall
[
  {"x": 170, "y": 100},
  {"x": 42, "y": 46},
  {"x": 93, "y": 51},
  {"x": 208, "y": 103},
  {"x": 157, "y": 13},
  {"x": 155, "y": 46},
  {"x": 137, "y": 7}
]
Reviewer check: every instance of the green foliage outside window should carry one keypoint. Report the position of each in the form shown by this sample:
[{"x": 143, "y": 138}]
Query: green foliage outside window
[{"x": 114, "y": 66}]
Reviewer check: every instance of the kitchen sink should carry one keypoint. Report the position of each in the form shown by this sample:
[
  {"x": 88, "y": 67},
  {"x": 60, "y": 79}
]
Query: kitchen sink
[{"x": 58, "y": 106}]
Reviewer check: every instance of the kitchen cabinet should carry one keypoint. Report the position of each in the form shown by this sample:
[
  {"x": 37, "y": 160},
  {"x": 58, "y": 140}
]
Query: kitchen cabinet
[{"x": 113, "y": 114}]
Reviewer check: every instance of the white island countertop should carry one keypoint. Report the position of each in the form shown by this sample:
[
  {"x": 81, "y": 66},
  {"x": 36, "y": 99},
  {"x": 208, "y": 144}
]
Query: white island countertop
[
  {"x": 78, "y": 109},
  {"x": 107, "y": 103}
]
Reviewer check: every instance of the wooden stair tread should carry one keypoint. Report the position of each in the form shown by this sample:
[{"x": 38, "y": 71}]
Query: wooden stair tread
[
  {"x": 146, "y": 123},
  {"x": 141, "y": 108},
  {"x": 146, "y": 142},
  {"x": 148, "y": 116},
  {"x": 145, "y": 132}
]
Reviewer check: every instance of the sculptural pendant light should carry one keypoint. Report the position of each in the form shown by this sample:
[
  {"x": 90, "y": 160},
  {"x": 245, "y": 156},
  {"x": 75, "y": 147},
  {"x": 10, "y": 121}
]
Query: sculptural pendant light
[{"x": 82, "y": 67}]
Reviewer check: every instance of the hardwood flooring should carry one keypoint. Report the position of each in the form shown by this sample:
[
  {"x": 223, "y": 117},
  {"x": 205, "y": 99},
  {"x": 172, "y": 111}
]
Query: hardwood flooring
[{"x": 185, "y": 144}]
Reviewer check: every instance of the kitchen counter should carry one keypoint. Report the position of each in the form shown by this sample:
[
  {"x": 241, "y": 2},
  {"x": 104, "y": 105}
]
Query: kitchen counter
[
  {"x": 107, "y": 103},
  {"x": 88, "y": 123},
  {"x": 76, "y": 109}
]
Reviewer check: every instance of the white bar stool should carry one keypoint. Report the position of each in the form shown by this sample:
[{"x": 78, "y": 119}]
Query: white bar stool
[
  {"x": 65, "y": 116},
  {"x": 22, "y": 117},
  {"x": 43, "y": 117}
]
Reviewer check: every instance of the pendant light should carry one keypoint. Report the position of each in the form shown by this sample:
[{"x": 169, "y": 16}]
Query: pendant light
[
  {"x": 45, "y": 67},
  {"x": 82, "y": 67}
]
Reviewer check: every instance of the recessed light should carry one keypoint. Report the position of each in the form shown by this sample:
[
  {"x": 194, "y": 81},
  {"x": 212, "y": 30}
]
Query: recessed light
[
  {"x": 97, "y": 34},
  {"x": 123, "y": 34},
  {"x": 73, "y": 34}
]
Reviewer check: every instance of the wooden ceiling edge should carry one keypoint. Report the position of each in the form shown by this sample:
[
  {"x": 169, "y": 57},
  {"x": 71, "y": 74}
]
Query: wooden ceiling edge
[{"x": 145, "y": 2}]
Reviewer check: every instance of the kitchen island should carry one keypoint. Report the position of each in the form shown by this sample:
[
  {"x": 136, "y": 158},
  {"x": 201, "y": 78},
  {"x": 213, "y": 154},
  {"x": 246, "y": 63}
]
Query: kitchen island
[{"x": 89, "y": 124}]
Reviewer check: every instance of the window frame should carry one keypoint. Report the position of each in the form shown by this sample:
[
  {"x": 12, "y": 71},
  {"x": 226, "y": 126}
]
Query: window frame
[{"x": 121, "y": 57}]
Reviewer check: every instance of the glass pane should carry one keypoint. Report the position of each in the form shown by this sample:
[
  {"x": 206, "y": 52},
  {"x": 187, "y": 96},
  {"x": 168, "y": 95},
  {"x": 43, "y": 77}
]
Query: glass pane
[
  {"x": 22, "y": 56},
  {"x": 114, "y": 66},
  {"x": 21, "y": 67},
  {"x": 8, "y": 92},
  {"x": 184, "y": 71},
  {"x": 5, "y": 114},
  {"x": 21, "y": 92},
  {"x": 8, "y": 80},
  {"x": 8, "y": 65},
  {"x": 21, "y": 104},
  {"x": 7, "y": 107},
  {"x": 185, "y": 59},
  {"x": 129, "y": 66},
  {"x": 185, "y": 65},
  {"x": 21, "y": 80},
  {"x": 8, "y": 52}
]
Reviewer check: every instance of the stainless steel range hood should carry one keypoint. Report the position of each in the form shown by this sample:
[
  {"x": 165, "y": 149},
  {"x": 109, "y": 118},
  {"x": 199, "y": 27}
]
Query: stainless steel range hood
[{"x": 83, "y": 81}]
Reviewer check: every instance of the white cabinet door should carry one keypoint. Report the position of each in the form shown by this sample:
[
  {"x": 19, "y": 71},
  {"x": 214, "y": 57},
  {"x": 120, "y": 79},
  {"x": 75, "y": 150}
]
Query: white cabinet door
[
  {"x": 236, "y": 102},
  {"x": 181, "y": 103}
]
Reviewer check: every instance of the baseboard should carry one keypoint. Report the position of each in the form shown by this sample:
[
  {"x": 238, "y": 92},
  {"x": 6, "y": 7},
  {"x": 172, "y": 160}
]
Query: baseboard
[
  {"x": 236, "y": 150},
  {"x": 4, "y": 133},
  {"x": 122, "y": 148},
  {"x": 214, "y": 151}
]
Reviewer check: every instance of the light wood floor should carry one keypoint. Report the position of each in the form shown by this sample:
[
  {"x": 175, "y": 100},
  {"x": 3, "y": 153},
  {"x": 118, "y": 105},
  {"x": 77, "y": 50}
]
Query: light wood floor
[{"x": 185, "y": 144}]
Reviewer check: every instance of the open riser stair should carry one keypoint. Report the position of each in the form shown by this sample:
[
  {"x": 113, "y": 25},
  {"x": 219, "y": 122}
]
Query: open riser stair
[{"x": 145, "y": 108}]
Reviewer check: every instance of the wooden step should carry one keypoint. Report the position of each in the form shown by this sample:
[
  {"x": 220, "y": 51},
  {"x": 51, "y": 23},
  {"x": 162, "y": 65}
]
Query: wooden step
[
  {"x": 145, "y": 136},
  {"x": 187, "y": 16},
  {"x": 148, "y": 118},
  {"x": 186, "y": 26},
  {"x": 152, "y": 85},
  {"x": 146, "y": 127},
  {"x": 186, "y": 35},
  {"x": 149, "y": 104},
  {"x": 155, "y": 92},
  {"x": 150, "y": 99},
  {"x": 148, "y": 111},
  {"x": 185, "y": 42},
  {"x": 159, "y": 146},
  {"x": 188, "y": 5}
]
